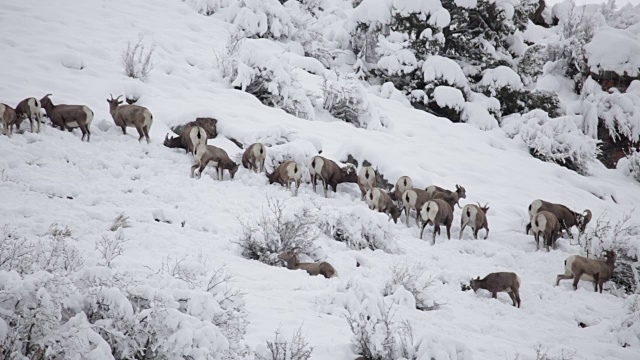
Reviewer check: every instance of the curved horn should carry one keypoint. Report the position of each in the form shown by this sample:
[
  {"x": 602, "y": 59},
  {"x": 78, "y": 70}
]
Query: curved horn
[
  {"x": 48, "y": 95},
  {"x": 118, "y": 97},
  {"x": 111, "y": 96},
  {"x": 166, "y": 137}
]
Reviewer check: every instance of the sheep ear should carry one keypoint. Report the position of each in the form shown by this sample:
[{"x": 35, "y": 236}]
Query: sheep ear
[{"x": 478, "y": 278}]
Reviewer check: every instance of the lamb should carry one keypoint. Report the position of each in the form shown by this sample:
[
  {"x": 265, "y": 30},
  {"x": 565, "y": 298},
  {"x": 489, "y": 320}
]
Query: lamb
[
  {"x": 29, "y": 108},
  {"x": 379, "y": 200},
  {"x": 253, "y": 158},
  {"x": 476, "y": 217},
  {"x": 286, "y": 173},
  {"x": 566, "y": 216},
  {"x": 330, "y": 173},
  {"x": 366, "y": 180},
  {"x": 438, "y": 212},
  {"x": 322, "y": 268},
  {"x": 547, "y": 224},
  {"x": 460, "y": 192},
  {"x": 8, "y": 117},
  {"x": 190, "y": 139},
  {"x": 131, "y": 116},
  {"x": 580, "y": 268},
  {"x": 414, "y": 199},
  {"x": 205, "y": 154},
  {"x": 403, "y": 184},
  {"x": 508, "y": 282},
  {"x": 69, "y": 116}
]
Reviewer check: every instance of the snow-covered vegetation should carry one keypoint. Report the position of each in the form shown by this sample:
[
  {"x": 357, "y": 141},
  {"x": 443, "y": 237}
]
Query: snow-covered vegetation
[{"x": 108, "y": 250}]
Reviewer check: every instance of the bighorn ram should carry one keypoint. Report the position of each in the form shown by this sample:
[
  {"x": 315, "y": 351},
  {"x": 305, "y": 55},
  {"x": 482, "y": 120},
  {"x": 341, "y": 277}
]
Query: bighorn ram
[
  {"x": 546, "y": 224},
  {"x": 366, "y": 180},
  {"x": 460, "y": 192},
  {"x": 437, "y": 212},
  {"x": 580, "y": 268},
  {"x": 566, "y": 217},
  {"x": 286, "y": 173},
  {"x": 322, "y": 268},
  {"x": 476, "y": 217},
  {"x": 330, "y": 173},
  {"x": 190, "y": 139},
  {"x": 508, "y": 282},
  {"x": 403, "y": 184},
  {"x": 131, "y": 116},
  {"x": 414, "y": 199},
  {"x": 253, "y": 158},
  {"x": 29, "y": 108},
  {"x": 69, "y": 116},
  {"x": 218, "y": 158},
  {"x": 8, "y": 118},
  {"x": 379, "y": 200}
]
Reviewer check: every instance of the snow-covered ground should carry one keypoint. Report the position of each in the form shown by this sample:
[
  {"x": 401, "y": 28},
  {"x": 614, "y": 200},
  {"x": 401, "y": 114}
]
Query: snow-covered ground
[{"x": 53, "y": 177}]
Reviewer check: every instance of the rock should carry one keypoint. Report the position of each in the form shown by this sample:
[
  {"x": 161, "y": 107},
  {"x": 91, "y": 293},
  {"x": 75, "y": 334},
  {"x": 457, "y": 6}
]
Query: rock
[{"x": 209, "y": 125}]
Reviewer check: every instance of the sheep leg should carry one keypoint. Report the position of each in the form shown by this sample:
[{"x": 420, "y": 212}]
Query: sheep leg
[
  {"x": 124, "y": 129},
  {"x": 424, "y": 225},
  {"x": 494, "y": 294},
  {"x": 576, "y": 279},
  {"x": 462, "y": 226},
  {"x": 194, "y": 167},
  {"x": 436, "y": 228},
  {"x": 31, "y": 122},
  {"x": 38, "y": 119},
  {"x": 146, "y": 133},
  {"x": 536, "y": 236},
  {"x": 449, "y": 231},
  {"x": 406, "y": 214},
  {"x": 596, "y": 281},
  {"x": 475, "y": 233},
  {"x": 513, "y": 297},
  {"x": 325, "y": 186},
  {"x": 487, "y": 234},
  {"x": 297, "y": 187},
  {"x": 313, "y": 182},
  {"x": 527, "y": 228},
  {"x": 563, "y": 277},
  {"x": 140, "y": 132}
]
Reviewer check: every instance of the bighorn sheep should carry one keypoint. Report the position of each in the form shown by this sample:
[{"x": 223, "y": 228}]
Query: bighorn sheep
[
  {"x": 253, "y": 158},
  {"x": 8, "y": 117},
  {"x": 366, "y": 180},
  {"x": 566, "y": 217},
  {"x": 190, "y": 139},
  {"x": 131, "y": 116},
  {"x": 205, "y": 154},
  {"x": 414, "y": 199},
  {"x": 508, "y": 282},
  {"x": 286, "y": 173},
  {"x": 460, "y": 192},
  {"x": 322, "y": 268},
  {"x": 29, "y": 108},
  {"x": 438, "y": 212},
  {"x": 580, "y": 268},
  {"x": 69, "y": 116},
  {"x": 379, "y": 200},
  {"x": 547, "y": 224},
  {"x": 476, "y": 217},
  {"x": 330, "y": 173},
  {"x": 403, "y": 184}
]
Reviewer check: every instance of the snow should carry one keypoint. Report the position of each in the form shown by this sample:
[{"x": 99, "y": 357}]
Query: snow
[
  {"x": 614, "y": 50},
  {"x": 500, "y": 77},
  {"x": 438, "y": 68},
  {"x": 53, "y": 177}
]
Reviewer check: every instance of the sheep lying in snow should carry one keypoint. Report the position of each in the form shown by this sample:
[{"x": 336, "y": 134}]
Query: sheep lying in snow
[{"x": 322, "y": 268}]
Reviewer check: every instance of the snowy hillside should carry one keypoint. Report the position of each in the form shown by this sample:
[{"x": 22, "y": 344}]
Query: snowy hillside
[{"x": 182, "y": 229}]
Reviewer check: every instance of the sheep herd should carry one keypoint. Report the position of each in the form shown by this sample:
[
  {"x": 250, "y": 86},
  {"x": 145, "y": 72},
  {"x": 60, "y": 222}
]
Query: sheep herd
[{"x": 432, "y": 206}]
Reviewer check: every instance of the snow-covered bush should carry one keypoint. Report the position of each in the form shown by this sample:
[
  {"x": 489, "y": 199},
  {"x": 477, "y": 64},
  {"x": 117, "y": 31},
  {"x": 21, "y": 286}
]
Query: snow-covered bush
[
  {"x": 634, "y": 164},
  {"x": 359, "y": 228},
  {"x": 280, "y": 349},
  {"x": 263, "y": 69},
  {"x": 55, "y": 308},
  {"x": 628, "y": 331},
  {"x": 206, "y": 7},
  {"x": 530, "y": 65},
  {"x": 623, "y": 17},
  {"x": 553, "y": 139},
  {"x": 346, "y": 99},
  {"x": 621, "y": 236},
  {"x": 259, "y": 18},
  {"x": 412, "y": 279},
  {"x": 446, "y": 101},
  {"x": 278, "y": 229},
  {"x": 136, "y": 62}
]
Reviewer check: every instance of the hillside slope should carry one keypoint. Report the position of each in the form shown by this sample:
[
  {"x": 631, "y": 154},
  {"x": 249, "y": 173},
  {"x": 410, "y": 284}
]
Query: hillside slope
[{"x": 53, "y": 177}]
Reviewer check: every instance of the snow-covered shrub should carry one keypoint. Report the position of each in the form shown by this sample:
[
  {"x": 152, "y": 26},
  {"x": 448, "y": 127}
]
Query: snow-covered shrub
[
  {"x": 261, "y": 68},
  {"x": 623, "y": 17},
  {"x": 54, "y": 309},
  {"x": 280, "y": 349},
  {"x": 412, "y": 279},
  {"x": 634, "y": 164},
  {"x": 621, "y": 236},
  {"x": 447, "y": 101},
  {"x": 553, "y": 139},
  {"x": 259, "y": 18},
  {"x": 346, "y": 99},
  {"x": 278, "y": 229},
  {"x": 530, "y": 65},
  {"x": 628, "y": 332},
  {"x": 206, "y": 7},
  {"x": 136, "y": 62},
  {"x": 359, "y": 228}
]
